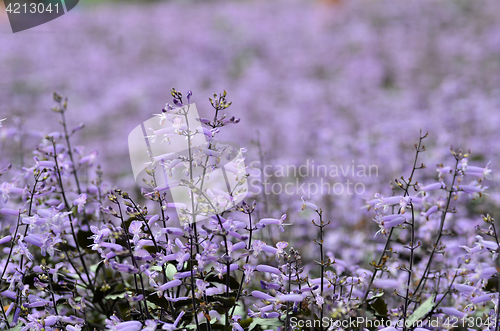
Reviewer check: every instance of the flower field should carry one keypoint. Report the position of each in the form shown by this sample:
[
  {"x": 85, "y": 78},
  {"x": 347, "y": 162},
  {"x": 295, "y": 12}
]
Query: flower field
[{"x": 360, "y": 139}]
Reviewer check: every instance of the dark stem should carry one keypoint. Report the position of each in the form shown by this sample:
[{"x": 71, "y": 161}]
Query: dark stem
[
  {"x": 410, "y": 270},
  {"x": 70, "y": 152},
  {"x": 421, "y": 283},
  {"x": 419, "y": 148}
]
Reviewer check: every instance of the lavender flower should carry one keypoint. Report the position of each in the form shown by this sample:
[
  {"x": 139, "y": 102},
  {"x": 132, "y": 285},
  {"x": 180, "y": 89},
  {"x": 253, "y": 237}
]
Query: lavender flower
[
  {"x": 80, "y": 202},
  {"x": 76, "y": 251},
  {"x": 270, "y": 221}
]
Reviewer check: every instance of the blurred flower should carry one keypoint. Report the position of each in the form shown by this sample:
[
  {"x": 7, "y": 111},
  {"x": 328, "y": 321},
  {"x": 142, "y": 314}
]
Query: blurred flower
[{"x": 80, "y": 202}]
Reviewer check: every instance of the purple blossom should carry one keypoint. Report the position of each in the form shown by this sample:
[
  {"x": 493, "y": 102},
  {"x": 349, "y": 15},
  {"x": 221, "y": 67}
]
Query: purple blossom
[
  {"x": 248, "y": 270},
  {"x": 270, "y": 221},
  {"x": 349, "y": 266},
  {"x": 453, "y": 312},
  {"x": 262, "y": 296},
  {"x": 266, "y": 268},
  {"x": 135, "y": 228},
  {"x": 290, "y": 298},
  {"x": 306, "y": 204},
  {"x": 5, "y": 240},
  {"x": 173, "y": 326},
  {"x": 80, "y": 202},
  {"x": 431, "y": 187}
]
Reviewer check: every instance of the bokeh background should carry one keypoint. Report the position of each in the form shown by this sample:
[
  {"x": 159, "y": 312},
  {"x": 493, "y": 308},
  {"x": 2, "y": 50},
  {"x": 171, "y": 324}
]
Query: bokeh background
[{"x": 338, "y": 82}]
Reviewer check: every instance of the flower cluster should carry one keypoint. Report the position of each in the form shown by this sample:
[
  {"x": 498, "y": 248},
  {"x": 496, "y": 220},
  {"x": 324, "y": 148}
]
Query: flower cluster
[{"x": 79, "y": 254}]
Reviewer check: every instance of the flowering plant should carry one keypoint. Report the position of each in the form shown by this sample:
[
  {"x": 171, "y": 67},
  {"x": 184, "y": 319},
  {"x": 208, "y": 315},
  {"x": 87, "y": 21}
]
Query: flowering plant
[{"x": 79, "y": 254}]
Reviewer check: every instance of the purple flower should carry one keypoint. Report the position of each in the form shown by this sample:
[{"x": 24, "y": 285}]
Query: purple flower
[
  {"x": 430, "y": 211},
  {"x": 484, "y": 244},
  {"x": 269, "y": 221},
  {"x": 235, "y": 325},
  {"x": 125, "y": 268},
  {"x": 444, "y": 170},
  {"x": 290, "y": 298},
  {"x": 473, "y": 188},
  {"x": 80, "y": 202},
  {"x": 257, "y": 247},
  {"x": 43, "y": 164},
  {"x": 5, "y": 189},
  {"x": 34, "y": 240},
  {"x": 135, "y": 228},
  {"x": 309, "y": 205},
  {"x": 479, "y": 172},
  {"x": 113, "y": 246},
  {"x": 177, "y": 205},
  {"x": 453, "y": 312},
  {"x": 482, "y": 298},
  {"x": 181, "y": 258},
  {"x": 8, "y": 211},
  {"x": 319, "y": 300},
  {"x": 153, "y": 219},
  {"x": 127, "y": 326},
  {"x": 202, "y": 286},
  {"x": 184, "y": 274},
  {"x": 248, "y": 270},
  {"x": 266, "y": 285},
  {"x": 5, "y": 240},
  {"x": 465, "y": 289},
  {"x": 267, "y": 268},
  {"x": 281, "y": 248},
  {"x": 168, "y": 285},
  {"x": 89, "y": 159},
  {"x": 150, "y": 325},
  {"x": 174, "y": 231},
  {"x": 431, "y": 187},
  {"x": 172, "y": 327},
  {"x": 33, "y": 221},
  {"x": 394, "y": 222},
  {"x": 22, "y": 249},
  {"x": 262, "y": 295}
]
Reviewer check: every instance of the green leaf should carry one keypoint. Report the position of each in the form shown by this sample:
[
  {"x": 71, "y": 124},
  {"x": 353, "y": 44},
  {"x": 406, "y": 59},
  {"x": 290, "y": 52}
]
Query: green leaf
[
  {"x": 259, "y": 323},
  {"x": 96, "y": 267},
  {"x": 246, "y": 323},
  {"x": 492, "y": 285},
  {"x": 154, "y": 298},
  {"x": 380, "y": 307},
  {"x": 115, "y": 296},
  {"x": 183, "y": 303},
  {"x": 150, "y": 249},
  {"x": 84, "y": 241},
  {"x": 171, "y": 271},
  {"x": 376, "y": 296},
  {"x": 156, "y": 268},
  {"x": 233, "y": 283},
  {"x": 111, "y": 293},
  {"x": 421, "y": 311},
  {"x": 224, "y": 301}
]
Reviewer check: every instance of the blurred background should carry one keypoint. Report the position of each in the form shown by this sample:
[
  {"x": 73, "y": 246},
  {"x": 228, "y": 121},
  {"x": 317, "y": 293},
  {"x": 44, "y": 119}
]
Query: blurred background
[{"x": 337, "y": 82}]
